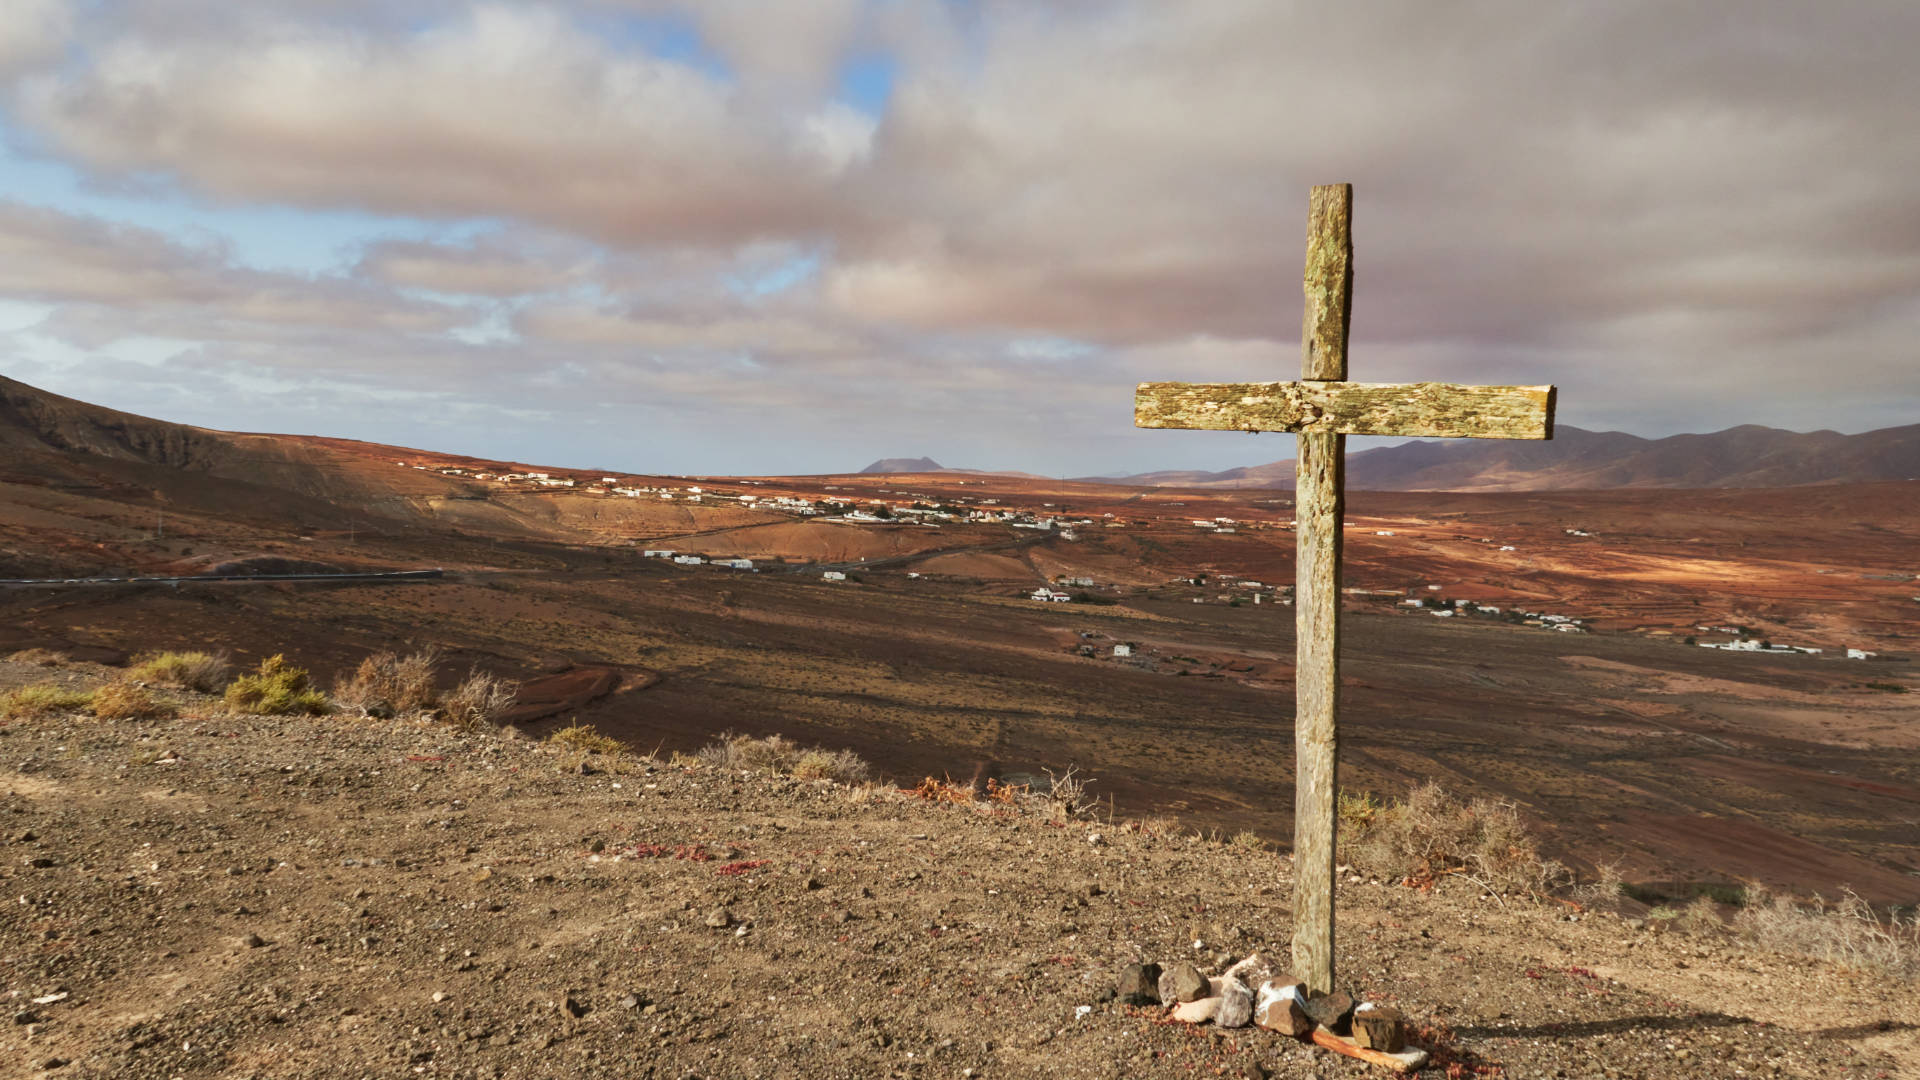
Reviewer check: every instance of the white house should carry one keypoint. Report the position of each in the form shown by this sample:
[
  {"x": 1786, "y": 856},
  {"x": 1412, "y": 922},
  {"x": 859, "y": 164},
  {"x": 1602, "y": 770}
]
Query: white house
[
  {"x": 833, "y": 575},
  {"x": 1123, "y": 650},
  {"x": 1051, "y": 596},
  {"x": 658, "y": 553},
  {"x": 1443, "y": 613},
  {"x": 1414, "y": 601},
  {"x": 1508, "y": 547},
  {"x": 1383, "y": 532},
  {"x": 734, "y": 564},
  {"x": 689, "y": 560},
  {"x": 1859, "y": 654}
]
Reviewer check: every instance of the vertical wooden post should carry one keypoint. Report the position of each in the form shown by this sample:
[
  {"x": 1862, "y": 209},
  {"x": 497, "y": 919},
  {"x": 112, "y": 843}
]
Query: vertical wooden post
[{"x": 1319, "y": 498}]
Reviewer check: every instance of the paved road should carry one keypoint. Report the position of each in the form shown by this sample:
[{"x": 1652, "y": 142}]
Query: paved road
[{"x": 392, "y": 577}]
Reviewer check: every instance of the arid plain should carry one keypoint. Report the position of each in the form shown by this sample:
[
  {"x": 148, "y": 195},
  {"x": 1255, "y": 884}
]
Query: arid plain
[{"x": 1622, "y": 742}]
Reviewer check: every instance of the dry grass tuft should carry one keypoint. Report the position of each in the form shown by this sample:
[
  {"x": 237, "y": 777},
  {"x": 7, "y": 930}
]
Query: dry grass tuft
[
  {"x": 1432, "y": 834},
  {"x": 38, "y": 657},
  {"x": 43, "y": 699},
  {"x": 1850, "y": 934},
  {"x": 1701, "y": 918},
  {"x": 840, "y": 766},
  {"x": 204, "y": 672},
  {"x": 277, "y": 688},
  {"x": 1158, "y": 827},
  {"x": 478, "y": 701},
  {"x": 387, "y": 685},
  {"x": 782, "y": 756},
  {"x": 125, "y": 701},
  {"x": 586, "y": 739}
]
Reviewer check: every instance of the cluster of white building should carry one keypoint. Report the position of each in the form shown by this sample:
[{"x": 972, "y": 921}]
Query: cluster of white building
[
  {"x": 1754, "y": 646},
  {"x": 696, "y": 560}
]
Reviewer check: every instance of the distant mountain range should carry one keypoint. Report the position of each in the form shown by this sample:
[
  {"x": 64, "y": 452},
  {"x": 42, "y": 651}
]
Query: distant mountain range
[
  {"x": 1745, "y": 456},
  {"x": 48, "y": 438}
]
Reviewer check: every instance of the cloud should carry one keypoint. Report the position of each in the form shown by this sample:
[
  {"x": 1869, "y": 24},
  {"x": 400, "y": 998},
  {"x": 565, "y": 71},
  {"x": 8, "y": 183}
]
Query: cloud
[
  {"x": 108, "y": 281},
  {"x": 32, "y": 33},
  {"x": 1678, "y": 212},
  {"x": 503, "y": 111}
]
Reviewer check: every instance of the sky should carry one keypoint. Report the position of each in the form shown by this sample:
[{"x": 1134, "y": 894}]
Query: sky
[{"x": 792, "y": 236}]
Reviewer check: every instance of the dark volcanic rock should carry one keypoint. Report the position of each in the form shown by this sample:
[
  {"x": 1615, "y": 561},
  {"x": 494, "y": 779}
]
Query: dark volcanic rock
[
  {"x": 1140, "y": 985},
  {"x": 1332, "y": 1011},
  {"x": 1183, "y": 983}
]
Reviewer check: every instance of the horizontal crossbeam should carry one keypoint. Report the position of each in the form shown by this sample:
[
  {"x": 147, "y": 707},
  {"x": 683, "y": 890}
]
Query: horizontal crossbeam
[{"x": 1420, "y": 410}]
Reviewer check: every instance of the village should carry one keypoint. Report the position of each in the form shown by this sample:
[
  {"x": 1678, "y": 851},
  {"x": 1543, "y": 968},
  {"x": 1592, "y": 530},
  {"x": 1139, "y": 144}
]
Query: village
[{"x": 846, "y": 501}]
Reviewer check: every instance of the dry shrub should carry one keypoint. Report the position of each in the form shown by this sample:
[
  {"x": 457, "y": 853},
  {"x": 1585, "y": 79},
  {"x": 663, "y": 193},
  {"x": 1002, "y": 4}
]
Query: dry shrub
[
  {"x": 204, "y": 672},
  {"x": 782, "y": 756},
  {"x": 1432, "y": 834},
  {"x": 125, "y": 701},
  {"x": 1606, "y": 888},
  {"x": 775, "y": 753},
  {"x": 941, "y": 791},
  {"x": 1067, "y": 794},
  {"x": 839, "y": 766},
  {"x": 1851, "y": 934},
  {"x": 38, "y": 657},
  {"x": 478, "y": 700},
  {"x": 1247, "y": 840},
  {"x": 1702, "y": 917},
  {"x": 277, "y": 688},
  {"x": 586, "y": 739},
  {"x": 386, "y": 684},
  {"x": 43, "y": 699},
  {"x": 1009, "y": 795}
]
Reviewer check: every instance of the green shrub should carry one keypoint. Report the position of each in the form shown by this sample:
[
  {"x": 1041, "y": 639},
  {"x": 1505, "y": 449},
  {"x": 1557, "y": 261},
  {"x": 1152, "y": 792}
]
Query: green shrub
[
  {"x": 205, "y": 672},
  {"x": 277, "y": 688},
  {"x": 43, "y": 699}
]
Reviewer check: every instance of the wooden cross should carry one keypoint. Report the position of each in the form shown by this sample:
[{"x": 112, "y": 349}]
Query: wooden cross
[{"x": 1324, "y": 409}]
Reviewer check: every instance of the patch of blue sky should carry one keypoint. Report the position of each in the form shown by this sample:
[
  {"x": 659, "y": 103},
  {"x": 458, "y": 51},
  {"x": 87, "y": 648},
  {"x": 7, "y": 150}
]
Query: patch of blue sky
[
  {"x": 261, "y": 237},
  {"x": 668, "y": 35},
  {"x": 494, "y": 326},
  {"x": 776, "y": 279},
  {"x": 22, "y": 314},
  {"x": 1048, "y": 349},
  {"x": 866, "y": 82}
]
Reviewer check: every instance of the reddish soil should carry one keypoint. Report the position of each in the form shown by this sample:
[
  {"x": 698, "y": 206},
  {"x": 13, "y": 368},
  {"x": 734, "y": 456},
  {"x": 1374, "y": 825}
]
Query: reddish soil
[
  {"x": 305, "y": 899},
  {"x": 568, "y": 692}
]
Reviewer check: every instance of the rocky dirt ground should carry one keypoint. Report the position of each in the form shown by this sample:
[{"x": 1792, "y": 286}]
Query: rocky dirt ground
[{"x": 218, "y": 896}]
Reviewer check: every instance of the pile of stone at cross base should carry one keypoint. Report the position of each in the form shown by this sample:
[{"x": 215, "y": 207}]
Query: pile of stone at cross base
[{"x": 1253, "y": 991}]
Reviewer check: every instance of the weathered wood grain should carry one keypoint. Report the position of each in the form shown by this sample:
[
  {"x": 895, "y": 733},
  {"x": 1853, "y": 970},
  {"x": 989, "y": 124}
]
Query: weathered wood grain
[
  {"x": 1319, "y": 499},
  {"x": 1423, "y": 410},
  {"x": 1328, "y": 282},
  {"x": 1318, "y": 509}
]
